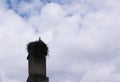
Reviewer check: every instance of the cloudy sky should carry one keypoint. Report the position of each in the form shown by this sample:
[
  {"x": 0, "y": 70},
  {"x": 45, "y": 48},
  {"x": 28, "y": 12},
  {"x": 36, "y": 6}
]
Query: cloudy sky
[{"x": 83, "y": 37}]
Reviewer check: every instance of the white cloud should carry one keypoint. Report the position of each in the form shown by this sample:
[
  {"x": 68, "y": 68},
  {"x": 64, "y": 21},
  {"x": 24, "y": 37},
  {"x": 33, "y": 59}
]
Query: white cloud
[
  {"x": 15, "y": 33},
  {"x": 83, "y": 40}
]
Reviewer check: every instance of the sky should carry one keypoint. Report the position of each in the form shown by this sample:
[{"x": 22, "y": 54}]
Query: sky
[{"x": 83, "y": 37}]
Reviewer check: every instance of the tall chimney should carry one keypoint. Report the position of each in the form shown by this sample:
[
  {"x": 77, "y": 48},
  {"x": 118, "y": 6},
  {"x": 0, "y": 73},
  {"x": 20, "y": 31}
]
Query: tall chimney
[{"x": 37, "y": 52}]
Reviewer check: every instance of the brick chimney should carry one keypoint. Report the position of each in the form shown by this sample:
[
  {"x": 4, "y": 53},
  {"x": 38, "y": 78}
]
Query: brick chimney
[{"x": 37, "y": 52}]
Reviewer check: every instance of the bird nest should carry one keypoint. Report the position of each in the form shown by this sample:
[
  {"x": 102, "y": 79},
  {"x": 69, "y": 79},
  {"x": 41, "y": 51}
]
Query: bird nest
[{"x": 37, "y": 48}]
